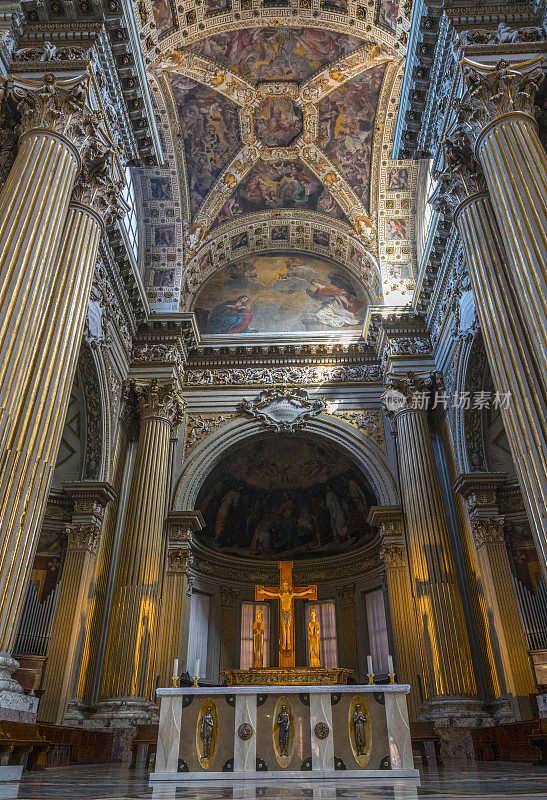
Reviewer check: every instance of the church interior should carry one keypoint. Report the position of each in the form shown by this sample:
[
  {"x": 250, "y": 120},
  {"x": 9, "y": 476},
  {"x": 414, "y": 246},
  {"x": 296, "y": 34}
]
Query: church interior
[{"x": 273, "y": 399}]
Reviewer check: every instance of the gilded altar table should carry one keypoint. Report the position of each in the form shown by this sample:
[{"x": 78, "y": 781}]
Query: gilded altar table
[{"x": 284, "y": 731}]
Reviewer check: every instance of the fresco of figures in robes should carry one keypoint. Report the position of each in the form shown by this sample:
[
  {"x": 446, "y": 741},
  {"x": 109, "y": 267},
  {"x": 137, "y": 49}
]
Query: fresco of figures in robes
[
  {"x": 274, "y": 293},
  {"x": 285, "y": 494}
]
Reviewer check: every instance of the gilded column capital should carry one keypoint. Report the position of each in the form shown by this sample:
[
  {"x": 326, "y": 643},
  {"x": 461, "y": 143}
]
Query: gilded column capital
[
  {"x": 495, "y": 90},
  {"x": 179, "y": 561},
  {"x": 461, "y": 176},
  {"x": 479, "y": 491},
  {"x": 393, "y": 555},
  {"x": 409, "y": 391},
  {"x": 488, "y": 530},
  {"x": 157, "y": 400},
  {"x": 346, "y": 594},
  {"x": 53, "y": 104},
  {"x": 228, "y": 597},
  {"x": 95, "y": 187},
  {"x": 83, "y": 537}
]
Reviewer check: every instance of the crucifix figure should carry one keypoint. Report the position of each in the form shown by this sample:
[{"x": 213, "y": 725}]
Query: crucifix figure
[{"x": 286, "y": 594}]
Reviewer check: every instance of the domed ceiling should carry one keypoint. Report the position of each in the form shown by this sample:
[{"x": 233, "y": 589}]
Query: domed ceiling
[{"x": 276, "y": 133}]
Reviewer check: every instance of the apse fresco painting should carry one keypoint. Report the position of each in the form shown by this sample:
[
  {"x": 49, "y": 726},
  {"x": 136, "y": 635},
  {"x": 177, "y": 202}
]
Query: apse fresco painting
[
  {"x": 259, "y": 54},
  {"x": 285, "y": 494},
  {"x": 346, "y": 128},
  {"x": 276, "y": 293},
  {"x": 280, "y": 184},
  {"x": 209, "y": 126}
]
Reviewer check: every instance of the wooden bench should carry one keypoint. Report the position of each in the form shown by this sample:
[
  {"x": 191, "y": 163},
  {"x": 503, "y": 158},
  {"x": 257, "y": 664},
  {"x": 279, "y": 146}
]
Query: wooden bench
[
  {"x": 426, "y": 744},
  {"x": 538, "y": 739},
  {"x": 146, "y": 736},
  {"x": 508, "y": 742},
  {"x": 21, "y": 743}
]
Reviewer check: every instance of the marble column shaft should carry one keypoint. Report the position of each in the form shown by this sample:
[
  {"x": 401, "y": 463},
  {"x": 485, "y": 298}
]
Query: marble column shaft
[
  {"x": 130, "y": 664},
  {"x": 446, "y": 654}
]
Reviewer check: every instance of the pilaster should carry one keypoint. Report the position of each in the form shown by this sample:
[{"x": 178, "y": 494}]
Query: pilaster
[
  {"x": 177, "y": 591},
  {"x": 72, "y": 610},
  {"x": 346, "y": 599},
  {"x": 479, "y": 493},
  {"x": 229, "y": 603},
  {"x": 402, "y": 604}
]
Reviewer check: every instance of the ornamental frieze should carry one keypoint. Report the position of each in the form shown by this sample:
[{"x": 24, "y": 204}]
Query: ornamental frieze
[{"x": 262, "y": 376}]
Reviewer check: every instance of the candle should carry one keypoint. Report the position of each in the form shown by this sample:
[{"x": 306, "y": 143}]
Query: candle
[
  {"x": 369, "y": 665},
  {"x": 175, "y": 667},
  {"x": 196, "y": 667},
  {"x": 390, "y": 665}
]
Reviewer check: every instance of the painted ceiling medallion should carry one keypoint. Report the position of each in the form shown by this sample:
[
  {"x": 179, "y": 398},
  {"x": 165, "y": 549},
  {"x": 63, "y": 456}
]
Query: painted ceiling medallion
[
  {"x": 283, "y": 409},
  {"x": 278, "y": 121}
]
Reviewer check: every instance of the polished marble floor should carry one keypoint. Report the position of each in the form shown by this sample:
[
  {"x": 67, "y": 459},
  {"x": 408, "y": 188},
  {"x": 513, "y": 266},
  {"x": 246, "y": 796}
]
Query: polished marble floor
[{"x": 492, "y": 781}]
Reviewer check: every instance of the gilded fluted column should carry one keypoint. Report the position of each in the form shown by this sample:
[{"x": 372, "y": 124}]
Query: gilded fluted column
[
  {"x": 505, "y": 323},
  {"x": 71, "y": 613},
  {"x": 446, "y": 655},
  {"x": 346, "y": 599},
  {"x": 177, "y": 591},
  {"x": 393, "y": 552},
  {"x": 479, "y": 491},
  {"x": 499, "y": 109},
  {"x": 33, "y": 436},
  {"x": 130, "y": 664},
  {"x": 229, "y": 645}
]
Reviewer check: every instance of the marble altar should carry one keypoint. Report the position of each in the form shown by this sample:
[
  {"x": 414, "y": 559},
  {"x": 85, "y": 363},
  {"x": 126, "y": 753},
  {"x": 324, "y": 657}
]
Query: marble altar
[{"x": 245, "y": 741}]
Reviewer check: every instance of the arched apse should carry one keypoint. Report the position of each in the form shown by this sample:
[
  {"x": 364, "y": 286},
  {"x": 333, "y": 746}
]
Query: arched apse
[{"x": 365, "y": 455}]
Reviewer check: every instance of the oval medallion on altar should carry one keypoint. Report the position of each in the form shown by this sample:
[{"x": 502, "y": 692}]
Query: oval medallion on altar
[
  {"x": 283, "y": 732},
  {"x": 207, "y": 733},
  {"x": 360, "y": 730}
]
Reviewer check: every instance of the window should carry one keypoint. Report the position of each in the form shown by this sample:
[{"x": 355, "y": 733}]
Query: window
[
  {"x": 129, "y": 222},
  {"x": 248, "y": 612},
  {"x": 377, "y": 630},
  {"x": 326, "y": 616},
  {"x": 198, "y": 634}
]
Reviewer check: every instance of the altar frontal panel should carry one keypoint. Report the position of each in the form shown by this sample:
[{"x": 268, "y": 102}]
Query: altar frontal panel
[
  {"x": 193, "y": 756},
  {"x": 375, "y": 754}
]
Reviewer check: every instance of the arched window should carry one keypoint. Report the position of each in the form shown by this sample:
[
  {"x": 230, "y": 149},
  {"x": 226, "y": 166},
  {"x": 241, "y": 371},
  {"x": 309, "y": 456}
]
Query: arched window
[{"x": 129, "y": 222}]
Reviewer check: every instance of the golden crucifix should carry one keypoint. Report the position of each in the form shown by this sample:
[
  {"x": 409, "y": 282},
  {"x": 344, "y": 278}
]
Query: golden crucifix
[{"x": 286, "y": 594}]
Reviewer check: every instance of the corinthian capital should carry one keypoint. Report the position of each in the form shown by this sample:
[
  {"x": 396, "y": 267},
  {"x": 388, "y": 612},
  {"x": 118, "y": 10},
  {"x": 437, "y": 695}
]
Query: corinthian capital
[
  {"x": 55, "y": 105},
  {"x": 497, "y": 89},
  {"x": 461, "y": 175},
  {"x": 159, "y": 400},
  {"x": 488, "y": 530},
  {"x": 84, "y": 537},
  {"x": 410, "y": 391}
]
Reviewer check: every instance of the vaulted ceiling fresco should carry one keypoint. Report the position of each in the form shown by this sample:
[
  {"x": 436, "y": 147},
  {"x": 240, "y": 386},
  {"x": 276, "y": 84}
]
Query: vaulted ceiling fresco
[
  {"x": 272, "y": 54},
  {"x": 277, "y": 132}
]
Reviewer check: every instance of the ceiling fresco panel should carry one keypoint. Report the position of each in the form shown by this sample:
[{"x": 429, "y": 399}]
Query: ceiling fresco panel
[
  {"x": 209, "y": 126},
  {"x": 283, "y": 184},
  {"x": 347, "y": 118},
  {"x": 260, "y": 54}
]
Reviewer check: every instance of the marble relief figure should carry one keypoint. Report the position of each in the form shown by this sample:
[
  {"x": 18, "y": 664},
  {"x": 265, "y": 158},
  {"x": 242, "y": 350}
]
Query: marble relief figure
[
  {"x": 280, "y": 293},
  {"x": 284, "y": 494}
]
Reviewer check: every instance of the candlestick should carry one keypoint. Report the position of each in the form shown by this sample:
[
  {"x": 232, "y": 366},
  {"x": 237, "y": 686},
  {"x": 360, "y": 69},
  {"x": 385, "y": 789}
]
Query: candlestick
[
  {"x": 196, "y": 672},
  {"x": 175, "y": 667},
  {"x": 390, "y": 664},
  {"x": 369, "y": 668}
]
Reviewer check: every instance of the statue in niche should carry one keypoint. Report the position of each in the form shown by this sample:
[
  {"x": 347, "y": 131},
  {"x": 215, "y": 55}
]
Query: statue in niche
[
  {"x": 258, "y": 640},
  {"x": 359, "y": 721},
  {"x": 206, "y": 732},
  {"x": 314, "y": 634},
  {"x": 284, "y": 725}
]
